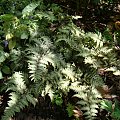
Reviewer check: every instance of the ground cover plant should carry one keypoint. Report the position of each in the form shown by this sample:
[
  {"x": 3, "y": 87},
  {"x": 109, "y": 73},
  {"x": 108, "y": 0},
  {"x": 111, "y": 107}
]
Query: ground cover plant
[{"x": 56, "y": 65}]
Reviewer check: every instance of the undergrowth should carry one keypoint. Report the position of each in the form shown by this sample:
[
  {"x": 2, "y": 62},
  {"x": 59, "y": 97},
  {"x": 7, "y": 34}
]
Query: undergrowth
[{"x": 42, "y": 52}]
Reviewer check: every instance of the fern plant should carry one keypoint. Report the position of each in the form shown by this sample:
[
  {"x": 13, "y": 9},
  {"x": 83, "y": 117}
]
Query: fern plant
[
  {"x": 88, "y": 100},
  {"x": 46, "y": 53},
  {"x": 44, "y": 65},
  {"x": 38, "y": 61},
  {"x": 19, "y": 96}
]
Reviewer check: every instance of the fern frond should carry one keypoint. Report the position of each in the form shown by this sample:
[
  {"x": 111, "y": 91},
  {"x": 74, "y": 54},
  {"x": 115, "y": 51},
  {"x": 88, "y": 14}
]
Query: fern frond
[
  {"x": 89, "y": 99},
  {"x": 44, "y": 66},
  {"x": 19, "y": 97},
  {"x": 16, "y": 103},
  {"x": 17, "y": 83}
]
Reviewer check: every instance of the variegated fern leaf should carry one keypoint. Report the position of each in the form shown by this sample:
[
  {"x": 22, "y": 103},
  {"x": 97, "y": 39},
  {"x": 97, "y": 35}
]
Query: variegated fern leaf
[
  {"x": 44, "y": 65},
  {"x": 89, "y": 100},
  {"x": 19, "y": 97}
]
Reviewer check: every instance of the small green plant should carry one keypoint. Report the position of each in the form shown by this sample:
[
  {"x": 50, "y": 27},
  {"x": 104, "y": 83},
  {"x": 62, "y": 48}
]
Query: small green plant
[
  {"x": 58, "y": 99},
  {"x": 112, "y": 108},
  {"x": 88, "y": 100},
  {"x": 70, "y": 109}
]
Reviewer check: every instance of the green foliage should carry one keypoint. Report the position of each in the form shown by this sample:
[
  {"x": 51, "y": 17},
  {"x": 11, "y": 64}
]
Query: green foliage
[
  {"x": 107, "y": 105},
  {"x": 70, "y": 109},
  {"x": 58, "y": 99},
  {"x": 3, "y": 56},
  {"x": 19, "y": 97},
  {"x": 113, "y": 108},
  {"x": 1, "y": 76},
  {"x": 88, "y": 100},
  {"x": 6, "y": 69},
  {"x": 36, "y": 58},
  {"x": 29, "y": 8},
  {"x": 47, "y": 54}
]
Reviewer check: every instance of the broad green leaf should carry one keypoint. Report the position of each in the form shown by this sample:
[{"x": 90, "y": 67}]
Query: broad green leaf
[
  {"x": 107, "y": 105},
  {"x": 24, "y": 36},
  {"x": 59, "y": 102},
  {"x": 1, "y": 48},
  {"x": 1, "y": 75},
  {"x": 116, "y": 72},
  {"x": 9, "y": 36},
  {"x": 2, "y": 56},
  {"x": 12, "y": 44},
  {"x": 29, "y": 8},
  {"x": 6, "y": 17},
  {"x": 6, "y": 69}
]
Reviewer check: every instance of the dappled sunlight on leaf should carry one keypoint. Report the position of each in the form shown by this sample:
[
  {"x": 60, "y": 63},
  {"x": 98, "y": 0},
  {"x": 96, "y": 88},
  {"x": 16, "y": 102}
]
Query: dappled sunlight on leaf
[
  {"x": 19, "y": 82},
  {"x": 70, "y": 74}
]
